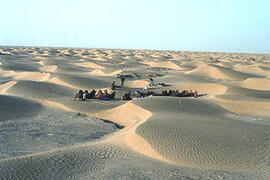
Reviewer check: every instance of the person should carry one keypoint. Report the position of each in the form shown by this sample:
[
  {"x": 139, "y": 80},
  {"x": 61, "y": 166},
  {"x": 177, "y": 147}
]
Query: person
[
  {"x": 79, "y": 95},
  {"x": 184, "y": 93},
  {"x": 170, "y": 92},
  {"x": 149, "y": 93},
  {"x": 113, "y": 85},
  {"x": 161, "y": 84},
  {"x": 112, "y": 95},
  {"x": 190, "y": 93},
  {"x": 99, "y": 95},
  {"x": 126, "y": 96},
  {"x": 151, "y": 83},
  {"x": 106, "y": 94},
  {"x": 165, "y": 93},
  {"x": 173, "y": 93},
  {"x": 92, "y": 94},
  {"x": 85, "y": 95},
  {"x": 195, "y": 93},
  {"x": 122, "y": 82},
  {"x": 138, "y": 94}
]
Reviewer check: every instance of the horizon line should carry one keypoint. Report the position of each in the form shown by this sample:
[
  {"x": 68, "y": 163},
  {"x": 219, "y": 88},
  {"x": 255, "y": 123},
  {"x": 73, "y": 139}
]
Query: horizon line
[{"x": 170, "y": 50}]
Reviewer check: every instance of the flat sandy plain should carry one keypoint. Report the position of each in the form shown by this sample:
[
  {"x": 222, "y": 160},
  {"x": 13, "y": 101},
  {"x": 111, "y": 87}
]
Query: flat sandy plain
[{"x": 224, "y": 134}]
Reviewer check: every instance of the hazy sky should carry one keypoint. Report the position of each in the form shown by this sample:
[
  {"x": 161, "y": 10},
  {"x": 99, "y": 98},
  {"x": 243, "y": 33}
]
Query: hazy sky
[{"x": 197, "y": 25}]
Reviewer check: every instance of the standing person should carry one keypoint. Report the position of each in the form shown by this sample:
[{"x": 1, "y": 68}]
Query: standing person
[
  {"x": 151, "y": 83},
  {"x": 113, "y": 85},
  {"x": 122, "y": 82}
]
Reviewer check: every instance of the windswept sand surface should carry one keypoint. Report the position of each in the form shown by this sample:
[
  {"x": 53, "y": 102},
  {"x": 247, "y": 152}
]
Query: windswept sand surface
[{"x": 224, "y": 134}]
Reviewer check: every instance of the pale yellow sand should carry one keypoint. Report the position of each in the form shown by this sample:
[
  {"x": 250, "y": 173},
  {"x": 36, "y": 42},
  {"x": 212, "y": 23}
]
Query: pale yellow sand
[
  {"x": 40, "y": 58},
  {"x": 6, "y": 86},
  {"x": 33, "y": 76},
  {"x": 99, "y": 72},
  {"x": 245, "y": 107},
  {"x": 90, "y": 65},
  {"x": 55, "y": 105},
  {"x": 222, "y": 134},
  {"x": 48, "y": 68},
  {"x": 218, "y": 72},
  {"x": 256, "y": 83},
  {"x": 62, "y": 83},
  {"x": 138, "y": 83},
  {"x": 163, "y": 64}
]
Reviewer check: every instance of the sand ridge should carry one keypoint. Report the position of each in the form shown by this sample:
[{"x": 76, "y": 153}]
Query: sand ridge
[
  {"x": 165, "y": 64},
  {"x": 90, "y": 65},
  {"x": 6, "y": 86},
  {"x": 256, "y": 83}
]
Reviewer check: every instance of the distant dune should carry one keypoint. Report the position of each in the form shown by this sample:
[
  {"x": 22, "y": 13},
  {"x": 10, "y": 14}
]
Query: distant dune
[{"x": 222, "y": 134}]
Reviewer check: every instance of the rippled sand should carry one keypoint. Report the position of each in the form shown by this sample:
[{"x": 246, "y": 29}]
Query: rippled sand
[{"x": 223, "y": 134}]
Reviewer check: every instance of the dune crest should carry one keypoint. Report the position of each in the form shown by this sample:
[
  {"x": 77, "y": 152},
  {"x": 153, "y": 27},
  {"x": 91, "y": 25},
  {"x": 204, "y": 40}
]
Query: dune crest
[
  {"x": 245, "y": 107},
  {"x": 131, "y": 116},
  {"x": 40, "y": 58},
  {"x": 55, "y": 105},
  {"x": 162, "y": 64},
  {"x": 99, "y": 72},
  {"x": 34, "y": 76},
  {"x": 217, "y": 72},
  {"x": 6, "y": 86},
  {"x": 56, "y": 80},
  {"x": 90, "y": 65},
  {"x": 256, "y": 83},
  {"x": 48, "y": 68}
]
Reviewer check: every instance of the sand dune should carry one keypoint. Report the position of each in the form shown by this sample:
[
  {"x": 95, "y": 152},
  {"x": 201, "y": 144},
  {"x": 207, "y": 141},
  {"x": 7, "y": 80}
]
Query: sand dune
[
  {"x": 40, "y": 57},
  {"x": 162, "y": 64},
  {"x": 256, "y": 69},
  {"x": 55, "y": 80},
  {"x": 245, "y": 107},
  {"x": 90, "y": 65},
  {"x": 86, "y": 82},
  {"x": 48, "y": 68},
  {"x": 223, "y": 134},
  {"x": 218, "y": 72},
  {"x": 256, "y": 83},
  {"x": 6, "y": 86},
  {"x": 21, "y": 108},
  {"x": 138, "y": 83},
  {"x": 99, "y": 72},
  {"x": 201, "y": 141},
  {"x": 35, "y": 76}
]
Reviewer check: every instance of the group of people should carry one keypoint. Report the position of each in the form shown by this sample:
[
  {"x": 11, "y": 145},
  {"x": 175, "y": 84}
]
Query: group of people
[
  {"x": 173, "y": 93},
  {"x": 83, "y": 96},
  {"x": 176, "y": 93},
  {"x": 114, "y": 86}
]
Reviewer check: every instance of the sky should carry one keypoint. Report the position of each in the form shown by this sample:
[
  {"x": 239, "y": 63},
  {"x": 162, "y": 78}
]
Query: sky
[{"x": 188, "y": 25}]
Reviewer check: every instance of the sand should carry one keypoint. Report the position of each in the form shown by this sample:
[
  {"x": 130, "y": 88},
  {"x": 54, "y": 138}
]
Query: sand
[{"x": 223, "y": 134}]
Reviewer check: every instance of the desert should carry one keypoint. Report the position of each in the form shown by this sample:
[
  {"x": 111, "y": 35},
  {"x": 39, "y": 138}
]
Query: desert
[{"x": 224, "y": 133}]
